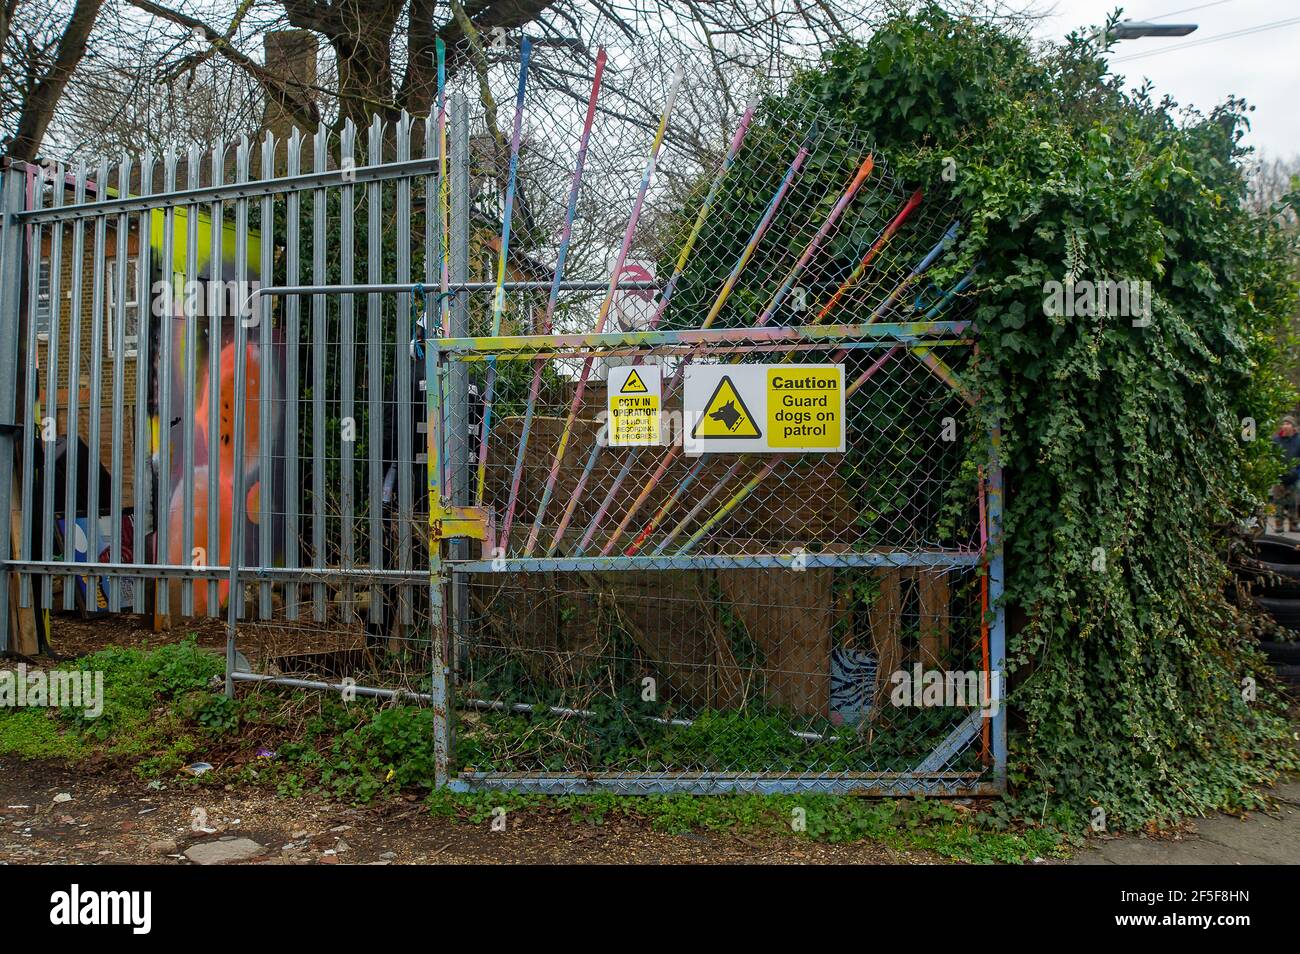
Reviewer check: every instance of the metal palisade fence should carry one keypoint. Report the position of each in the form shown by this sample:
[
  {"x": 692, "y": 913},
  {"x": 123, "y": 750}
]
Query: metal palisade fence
[{"x": 646, "y": 461}]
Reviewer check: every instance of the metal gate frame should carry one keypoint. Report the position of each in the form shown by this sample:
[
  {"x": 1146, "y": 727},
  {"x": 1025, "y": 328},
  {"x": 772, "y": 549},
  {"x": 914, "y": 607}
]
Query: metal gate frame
[{"x": 454, "y": 524}]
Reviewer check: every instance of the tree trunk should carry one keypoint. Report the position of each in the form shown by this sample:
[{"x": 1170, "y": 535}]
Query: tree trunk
[
  {"x": 38, "y": 109},
  {"x": 365, "y": 77}
]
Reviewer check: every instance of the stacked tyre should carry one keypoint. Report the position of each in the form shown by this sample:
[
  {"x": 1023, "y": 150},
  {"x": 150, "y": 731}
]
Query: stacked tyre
[{"x": 1272, "y": 568}]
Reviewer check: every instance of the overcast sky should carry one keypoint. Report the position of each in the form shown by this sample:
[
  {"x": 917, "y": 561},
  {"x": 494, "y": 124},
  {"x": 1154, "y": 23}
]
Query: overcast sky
[{"x": 1262, "y": 66}]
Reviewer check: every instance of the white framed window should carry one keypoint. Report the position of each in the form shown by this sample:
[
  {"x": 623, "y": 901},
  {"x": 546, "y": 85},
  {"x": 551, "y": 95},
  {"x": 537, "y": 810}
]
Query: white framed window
[
  {"x": 43, "y": 309},
  {"x": 131, "y": 327}
]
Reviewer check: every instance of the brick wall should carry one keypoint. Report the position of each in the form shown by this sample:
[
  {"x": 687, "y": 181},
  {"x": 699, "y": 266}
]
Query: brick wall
[{"x": 108, "y": 364}]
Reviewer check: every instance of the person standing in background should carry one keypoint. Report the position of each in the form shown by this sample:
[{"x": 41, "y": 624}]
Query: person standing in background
[{"x": 1284, "y": 493}]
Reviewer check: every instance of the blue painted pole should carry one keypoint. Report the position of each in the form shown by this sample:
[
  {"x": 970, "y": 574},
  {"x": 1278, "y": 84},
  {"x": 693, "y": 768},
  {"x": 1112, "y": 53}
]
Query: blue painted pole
[{"x": 998, "y": 626}]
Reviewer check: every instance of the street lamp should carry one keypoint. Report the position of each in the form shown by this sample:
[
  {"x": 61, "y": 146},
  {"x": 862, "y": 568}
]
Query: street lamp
[{"x": 1136, "y": 29}]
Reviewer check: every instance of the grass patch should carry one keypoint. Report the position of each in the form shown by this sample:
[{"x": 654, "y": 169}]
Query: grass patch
[
  {"x": 163, "y": 709},
  {"x": 136, "y": 717},
  {"x": 947, "y": 828}
]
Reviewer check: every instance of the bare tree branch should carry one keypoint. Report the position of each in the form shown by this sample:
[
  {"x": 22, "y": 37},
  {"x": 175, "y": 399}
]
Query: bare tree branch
[
  {"x": 47, "y": 90},
  {"x": 286, "y": 96}
]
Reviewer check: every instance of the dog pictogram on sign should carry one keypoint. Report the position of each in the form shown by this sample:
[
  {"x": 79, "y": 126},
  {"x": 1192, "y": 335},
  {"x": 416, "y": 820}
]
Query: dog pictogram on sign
[{"x": 726, "y": 416}]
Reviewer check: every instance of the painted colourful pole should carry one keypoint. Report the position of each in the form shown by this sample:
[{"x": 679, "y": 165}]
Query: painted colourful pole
[
  {"x": 694, "y": 512},
  {"x": 444, "y": 237},
  {"x": 860, "y": 269},
  {"x": 926, "y": 261},
  {"x": 679, "y": 267},
  {"x": 705, "y": 207},
  {"x": 499, "y": 298},
  {"x": 769, "y": 213},
  {"x": 635, "y": 216},
  {"x": 811, "y": 249},
  {"x": 565, "y": 235},
  {"x": 920, "y": 269},
  {"x": 752, "y": 245},
  {"x": 864, "y": 170},
  {"x": 444, "y": 193},
  {"x": 872, "y": 253}
]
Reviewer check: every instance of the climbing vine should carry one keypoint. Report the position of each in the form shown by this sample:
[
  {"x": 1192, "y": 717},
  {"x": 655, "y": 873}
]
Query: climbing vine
[{"x": 1122, "y": 436}]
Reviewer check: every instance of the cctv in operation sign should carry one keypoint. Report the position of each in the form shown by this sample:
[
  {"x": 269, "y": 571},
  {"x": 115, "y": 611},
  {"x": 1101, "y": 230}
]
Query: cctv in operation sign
[{"x": 635, "y": 395}]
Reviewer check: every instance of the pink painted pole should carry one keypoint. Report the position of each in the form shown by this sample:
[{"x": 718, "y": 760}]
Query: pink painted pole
[
  {"x": 565, "y": 434},
  {"x": 547, "y": 322}
]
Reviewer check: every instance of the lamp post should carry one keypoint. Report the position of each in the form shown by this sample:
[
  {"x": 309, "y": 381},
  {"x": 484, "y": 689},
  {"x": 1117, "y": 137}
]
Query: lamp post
[{"x": 1136, "y": 29}]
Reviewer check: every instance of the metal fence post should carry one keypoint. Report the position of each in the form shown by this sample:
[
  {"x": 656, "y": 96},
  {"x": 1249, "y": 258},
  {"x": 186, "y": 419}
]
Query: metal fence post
[
  {"x": 234, "y": 598},
  {"x": 440, "y": 641},
  {"x": 11, "y": 250}
]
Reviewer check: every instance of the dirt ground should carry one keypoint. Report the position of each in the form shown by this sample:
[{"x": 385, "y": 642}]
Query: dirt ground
[
  {"x": 113, "y": 818},
  {"x": 103, "y": 813},
  {"x": 72, "y": 636}
]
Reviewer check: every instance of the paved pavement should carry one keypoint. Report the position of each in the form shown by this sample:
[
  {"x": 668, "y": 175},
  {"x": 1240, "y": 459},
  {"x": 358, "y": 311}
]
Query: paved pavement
[{"x": 1260, "y": 838}]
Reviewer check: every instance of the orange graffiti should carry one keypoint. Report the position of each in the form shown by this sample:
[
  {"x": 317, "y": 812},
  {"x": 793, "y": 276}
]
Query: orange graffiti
[{"x": 203, "y": 554}]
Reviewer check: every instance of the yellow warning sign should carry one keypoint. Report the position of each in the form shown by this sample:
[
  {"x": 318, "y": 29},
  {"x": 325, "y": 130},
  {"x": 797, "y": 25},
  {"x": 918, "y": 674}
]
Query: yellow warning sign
[
  {"x": 805, "y": 407},
  {"x": 726, "y": 416},
  {"x": 635, "y": 402},
  {"x": 633, "y": 384}
]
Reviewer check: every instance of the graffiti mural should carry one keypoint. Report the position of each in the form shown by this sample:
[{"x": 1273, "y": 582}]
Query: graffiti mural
[{"x": 215, "y": 291}]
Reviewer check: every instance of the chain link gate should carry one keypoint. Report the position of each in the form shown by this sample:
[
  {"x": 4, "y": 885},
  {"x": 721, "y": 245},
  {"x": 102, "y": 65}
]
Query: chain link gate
[
  {"x": 643, "y": 618},
  {"x": 641, "y": 621}
]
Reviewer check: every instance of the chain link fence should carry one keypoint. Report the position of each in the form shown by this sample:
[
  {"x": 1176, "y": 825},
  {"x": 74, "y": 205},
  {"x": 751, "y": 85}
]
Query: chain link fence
[
  {"x": 732, "y": 620},
  {"x": 661, "y": 617}
]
